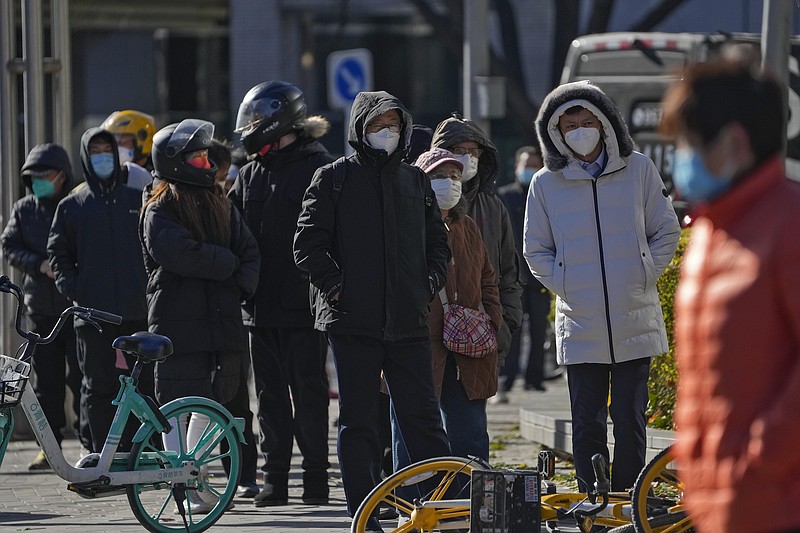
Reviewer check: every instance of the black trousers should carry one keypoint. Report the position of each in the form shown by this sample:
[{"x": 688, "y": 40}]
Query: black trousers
[
  {"x": 100, "y": 385},
  {"x": 292, "y": 391},
  {"x": 239, "y": 406},
  {"x": 588, "y": 392},
  {"x": 55, "y": 366},
  {"x": 406, "y": 366},
  {"x": 536, "y": 305}
]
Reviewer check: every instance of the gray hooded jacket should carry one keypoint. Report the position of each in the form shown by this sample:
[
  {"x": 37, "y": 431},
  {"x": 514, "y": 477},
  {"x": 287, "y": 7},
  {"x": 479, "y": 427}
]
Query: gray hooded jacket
[
  {"x": 492, "y": 218},
  {"x": 600, "y": 243}
]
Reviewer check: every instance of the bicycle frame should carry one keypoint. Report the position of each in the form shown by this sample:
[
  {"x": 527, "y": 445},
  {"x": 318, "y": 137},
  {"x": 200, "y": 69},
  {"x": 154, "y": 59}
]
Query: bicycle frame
[{"x": 128, "y": 401}]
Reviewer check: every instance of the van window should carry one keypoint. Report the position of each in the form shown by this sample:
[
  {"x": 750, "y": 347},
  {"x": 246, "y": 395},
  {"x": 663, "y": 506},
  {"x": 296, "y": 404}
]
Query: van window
[{"x": 631, "y": 63}]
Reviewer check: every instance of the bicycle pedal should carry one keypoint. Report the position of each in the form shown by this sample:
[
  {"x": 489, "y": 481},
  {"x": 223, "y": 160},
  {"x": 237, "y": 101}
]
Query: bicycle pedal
[
  {"x": 95, "y": 489},
  {"x": 547, "y": 464}
]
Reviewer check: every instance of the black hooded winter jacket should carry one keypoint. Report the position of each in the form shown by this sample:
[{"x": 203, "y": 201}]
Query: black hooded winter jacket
[
  {"x": 24, "y": 238},
  {"x": 377, "y": 241},
  {"x": 94, "y": 244},
  {"x": 492, "y": 218},
  {"x": 269, "y": 193}
]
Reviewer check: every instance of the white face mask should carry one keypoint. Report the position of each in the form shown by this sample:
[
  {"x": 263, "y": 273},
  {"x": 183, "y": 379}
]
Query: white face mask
[
  {"x": 582, "y": 140},
  {"x": 448, "y": 192},
  {"x": 470, "y": 167},
  {"x": 125, "y": 155},
  {"x": 384, "y": 140}
]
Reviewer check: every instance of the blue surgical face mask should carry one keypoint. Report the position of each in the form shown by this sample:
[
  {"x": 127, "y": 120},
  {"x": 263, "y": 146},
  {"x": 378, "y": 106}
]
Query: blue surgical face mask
[
  {"x": 525, "y": 175},
  {"x": 693, "y": 180},
  {"x": 42, "y": 188},
  {"x": 103, "y": 165}
]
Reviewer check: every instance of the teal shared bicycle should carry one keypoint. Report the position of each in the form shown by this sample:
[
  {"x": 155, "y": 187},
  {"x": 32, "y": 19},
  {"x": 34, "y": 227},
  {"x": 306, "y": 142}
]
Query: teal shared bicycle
[{"x": 182, "y": 489}]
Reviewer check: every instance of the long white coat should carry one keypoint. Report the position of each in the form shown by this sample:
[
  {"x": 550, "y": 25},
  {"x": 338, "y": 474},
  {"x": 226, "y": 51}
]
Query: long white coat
[{"x": 600, "y": 245}]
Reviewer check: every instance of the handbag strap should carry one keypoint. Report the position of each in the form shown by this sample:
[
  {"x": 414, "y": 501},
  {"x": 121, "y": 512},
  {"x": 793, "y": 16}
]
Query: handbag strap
[
  {"x": 443, "y": 299},
  {"x": 445, "y": 303}
]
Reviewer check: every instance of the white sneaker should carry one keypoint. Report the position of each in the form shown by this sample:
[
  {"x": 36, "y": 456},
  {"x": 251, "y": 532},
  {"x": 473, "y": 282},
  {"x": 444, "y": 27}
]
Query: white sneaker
[
  {"x": 201, "y": 502},
  {"x": 500, "y": 397},
  {"x": 198, "y": 503}
]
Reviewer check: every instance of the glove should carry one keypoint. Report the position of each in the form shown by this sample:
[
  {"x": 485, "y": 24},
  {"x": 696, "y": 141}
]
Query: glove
[{"x": 435, "y": 284}]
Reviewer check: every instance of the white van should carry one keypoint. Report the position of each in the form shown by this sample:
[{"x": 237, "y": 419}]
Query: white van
[{"x": 635, "y": 70}]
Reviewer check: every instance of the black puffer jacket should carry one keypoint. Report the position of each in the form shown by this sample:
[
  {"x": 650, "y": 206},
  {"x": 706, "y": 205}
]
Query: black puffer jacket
[
  {"x": 514, "y": 196},
  {"x": 94, "y": 245},
  {"x": 195, "y": 289},
  {"x": 269, "y": 193},
  {"x": 375, "y": 242},
  {"x": 492, "y": 218},
  {"x": 24, "y": 238}
]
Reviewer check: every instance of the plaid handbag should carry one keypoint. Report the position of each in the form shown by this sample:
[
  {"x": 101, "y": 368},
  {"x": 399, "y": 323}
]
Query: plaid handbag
[{"x": 467, "y": 331}]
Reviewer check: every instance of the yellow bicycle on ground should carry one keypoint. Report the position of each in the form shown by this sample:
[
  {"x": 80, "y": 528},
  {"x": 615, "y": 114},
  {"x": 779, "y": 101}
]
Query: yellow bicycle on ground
[{"x": 459, "y": 494}]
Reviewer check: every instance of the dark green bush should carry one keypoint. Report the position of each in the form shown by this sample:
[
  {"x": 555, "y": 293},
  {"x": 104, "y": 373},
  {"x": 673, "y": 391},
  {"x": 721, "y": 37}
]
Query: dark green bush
[{"x": 662, "y": 386}]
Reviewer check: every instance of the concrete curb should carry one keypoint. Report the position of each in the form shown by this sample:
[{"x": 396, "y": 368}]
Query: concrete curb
[{"x": 548, "y": 421}]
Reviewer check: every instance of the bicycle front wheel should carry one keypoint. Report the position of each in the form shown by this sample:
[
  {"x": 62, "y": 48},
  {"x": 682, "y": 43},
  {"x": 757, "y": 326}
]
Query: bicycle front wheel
[
  {"x": 208, "y": 495},
  {"x": 433, "y": 480},
  {"x": 657, "y": 504}
]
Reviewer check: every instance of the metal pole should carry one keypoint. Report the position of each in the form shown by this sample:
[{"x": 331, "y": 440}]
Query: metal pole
[
  {"x": 62, "y": 79},
  {"x": 775, "y": 32},
  {"x": 9, "y": 166},
  {"x": 476, "y": 56},
  {"x": 33, "y": 79}
]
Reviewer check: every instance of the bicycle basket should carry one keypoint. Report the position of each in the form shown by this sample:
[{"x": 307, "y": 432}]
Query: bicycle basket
[{"x": 13, "y": 378}]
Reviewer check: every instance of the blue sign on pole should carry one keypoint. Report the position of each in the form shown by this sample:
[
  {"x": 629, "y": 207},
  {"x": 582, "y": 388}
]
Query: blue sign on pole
[
  {"x": 350, "y": 78},
  {"x": 349, "y": 73}
]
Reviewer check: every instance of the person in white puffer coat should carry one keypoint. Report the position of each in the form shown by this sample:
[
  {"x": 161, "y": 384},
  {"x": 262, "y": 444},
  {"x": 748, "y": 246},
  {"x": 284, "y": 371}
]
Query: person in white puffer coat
[{"x": 599, "y": 231}]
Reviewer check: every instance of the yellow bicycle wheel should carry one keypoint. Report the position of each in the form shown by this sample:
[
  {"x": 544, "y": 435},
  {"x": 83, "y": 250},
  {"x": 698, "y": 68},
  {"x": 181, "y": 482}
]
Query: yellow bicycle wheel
[
  {"x": 657, "y": 504},
  {"x": 431, "y": 495}
]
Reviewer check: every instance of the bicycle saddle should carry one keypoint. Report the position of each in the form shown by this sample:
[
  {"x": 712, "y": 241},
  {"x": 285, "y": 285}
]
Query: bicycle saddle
[{"x": 149, "y": 346}]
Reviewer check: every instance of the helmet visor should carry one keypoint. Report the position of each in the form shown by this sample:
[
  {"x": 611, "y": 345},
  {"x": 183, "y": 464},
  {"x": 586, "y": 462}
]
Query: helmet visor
[
  {"x": 191, "y": 134},
  {"x": 254, "y": 113}
]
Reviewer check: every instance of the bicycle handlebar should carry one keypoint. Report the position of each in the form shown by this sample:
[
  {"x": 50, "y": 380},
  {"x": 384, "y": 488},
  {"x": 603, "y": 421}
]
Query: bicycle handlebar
[
  {"x": 86, "y": 313},
  {"x": 602, "y": 488},
  {"x": 104, "y": 316},
  {"x": 599, "y": 466}
]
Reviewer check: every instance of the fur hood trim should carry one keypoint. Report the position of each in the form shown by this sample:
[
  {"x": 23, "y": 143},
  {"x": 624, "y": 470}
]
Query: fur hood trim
[
  {"x": 557, "y": 155},
  {"x": 316, "y": 126}
]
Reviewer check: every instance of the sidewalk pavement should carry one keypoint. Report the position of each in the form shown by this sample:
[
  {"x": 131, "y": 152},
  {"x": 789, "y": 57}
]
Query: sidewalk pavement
[{"x": 39, "y": 501}]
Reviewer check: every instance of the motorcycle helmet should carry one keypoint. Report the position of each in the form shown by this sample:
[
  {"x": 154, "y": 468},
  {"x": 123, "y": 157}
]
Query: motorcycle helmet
[
  {"x": 269, "y": 111},
  {"x": 141, "y": 125},
  {"x": 172, "y": 144}
]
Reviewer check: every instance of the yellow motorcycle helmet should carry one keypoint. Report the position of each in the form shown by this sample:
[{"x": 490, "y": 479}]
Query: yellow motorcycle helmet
[{"x": 141, "y": 125}]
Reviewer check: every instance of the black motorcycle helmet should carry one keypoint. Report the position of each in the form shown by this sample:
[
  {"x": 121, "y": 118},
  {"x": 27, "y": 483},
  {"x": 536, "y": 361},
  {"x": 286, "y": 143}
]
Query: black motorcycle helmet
[
  {"x": 171, "y": 145},
  {"x": 269, "y": 111}
]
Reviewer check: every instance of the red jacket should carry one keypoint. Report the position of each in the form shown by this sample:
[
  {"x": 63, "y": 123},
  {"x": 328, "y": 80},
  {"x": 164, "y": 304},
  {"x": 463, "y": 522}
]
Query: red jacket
[{"x": 738, "y": 350}]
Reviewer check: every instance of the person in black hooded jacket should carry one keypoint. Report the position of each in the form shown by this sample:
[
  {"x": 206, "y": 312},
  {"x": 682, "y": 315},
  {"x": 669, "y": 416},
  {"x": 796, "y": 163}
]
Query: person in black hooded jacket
[
  {"x": 372, "y": 240},
  {"x": 47, "y": 173},
  {"x": 96, "y": 257},
  {"x": 288, "y": 354},
  {"x": 202, "y": 262},
  {"x": 464, "y": 138}
]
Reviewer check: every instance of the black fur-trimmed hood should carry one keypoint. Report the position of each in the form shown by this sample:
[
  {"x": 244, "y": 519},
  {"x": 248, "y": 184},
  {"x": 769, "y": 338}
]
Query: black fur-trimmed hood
[{"x": 556, "y": 153}]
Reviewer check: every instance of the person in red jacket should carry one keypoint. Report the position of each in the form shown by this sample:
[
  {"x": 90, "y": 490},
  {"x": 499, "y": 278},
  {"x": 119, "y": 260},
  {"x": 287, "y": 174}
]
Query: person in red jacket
[{"x": 737, "y": 329}]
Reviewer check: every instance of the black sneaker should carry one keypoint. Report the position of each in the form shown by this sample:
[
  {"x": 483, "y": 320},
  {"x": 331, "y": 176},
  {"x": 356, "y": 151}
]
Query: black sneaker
[
  {"x": 247, "y": 491},
  {"x": 271, "y": 496},
  {"x": 373, "y": 525}
]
